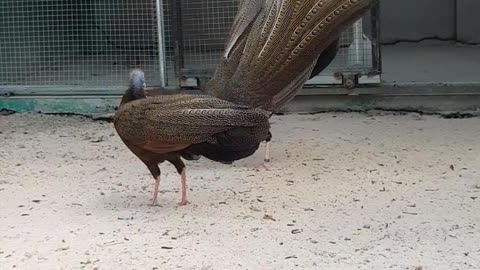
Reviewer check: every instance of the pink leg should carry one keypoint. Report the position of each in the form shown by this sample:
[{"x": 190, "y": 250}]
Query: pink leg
[
  {"x": 183, "y": 182},
  {"x": 155, "y": 192},
  {"x": 267, "y": 159},
  {"x": 267, "y": 152}
]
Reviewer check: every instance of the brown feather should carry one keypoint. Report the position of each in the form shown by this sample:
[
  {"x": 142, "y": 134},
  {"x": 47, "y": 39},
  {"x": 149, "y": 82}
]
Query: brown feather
[
  {"x": 169, "y": 127},
  {"x": 160, "y": 148},
  {"x": 281, "y": 46},
  {"x": 165, "y": 124}
]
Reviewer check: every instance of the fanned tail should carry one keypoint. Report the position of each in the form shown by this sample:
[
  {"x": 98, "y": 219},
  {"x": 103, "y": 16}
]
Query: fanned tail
[{"x": 268, "y": 60}]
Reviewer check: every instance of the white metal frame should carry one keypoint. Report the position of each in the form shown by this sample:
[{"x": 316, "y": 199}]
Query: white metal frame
[{"x": 161, "y": 42}]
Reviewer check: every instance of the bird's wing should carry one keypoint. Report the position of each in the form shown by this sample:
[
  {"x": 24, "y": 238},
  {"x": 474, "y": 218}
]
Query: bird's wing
[
  {"x": 170, "y": 123},
  {"x": 300, "y": 31},
  {"x": 326, "y": 58},
  {"x": 162, "y": 148},
  {"x": 248, "y": 12},
  {"x": 289, "y": 92},
  {"x": 280, "y": 46},
  {"x": 234, "y": 46}
]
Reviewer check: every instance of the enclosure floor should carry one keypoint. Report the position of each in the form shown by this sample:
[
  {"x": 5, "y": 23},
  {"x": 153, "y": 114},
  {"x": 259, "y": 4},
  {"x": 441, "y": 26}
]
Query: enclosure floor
[
  {"x": 430, "y": 62},
  {"x": 345, "y": 191}
]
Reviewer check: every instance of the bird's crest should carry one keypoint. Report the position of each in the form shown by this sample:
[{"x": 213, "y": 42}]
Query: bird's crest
[{"x": 136, "y": 80}]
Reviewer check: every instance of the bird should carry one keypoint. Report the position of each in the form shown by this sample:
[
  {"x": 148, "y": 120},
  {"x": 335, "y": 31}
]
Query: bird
[
  {"x": 325, "y": 58},
  {"x": 185, "y": 126},
  {"x": 275, "y": 46}
]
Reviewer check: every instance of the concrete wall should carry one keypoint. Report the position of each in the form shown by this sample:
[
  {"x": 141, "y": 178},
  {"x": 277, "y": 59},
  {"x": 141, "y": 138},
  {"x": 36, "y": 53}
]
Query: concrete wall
[
  {"x": 411, "y": 20},
  {"x": 417, "y": 19},
  {"x": 468, "y": 21}
]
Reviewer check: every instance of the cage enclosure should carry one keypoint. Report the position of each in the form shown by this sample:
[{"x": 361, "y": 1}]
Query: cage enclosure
[
  {"x": 199, "y": 29},
  {"x": 68, "y": 47}
]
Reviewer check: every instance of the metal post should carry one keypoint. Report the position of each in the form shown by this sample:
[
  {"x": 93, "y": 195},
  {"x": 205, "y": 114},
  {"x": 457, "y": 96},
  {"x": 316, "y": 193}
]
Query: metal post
[
  {"x": 376, "y": 50},
  {"x": 161, "y": 42},
  {"x": 176, "y": 6},
  {"x": 357, "y": 45}
]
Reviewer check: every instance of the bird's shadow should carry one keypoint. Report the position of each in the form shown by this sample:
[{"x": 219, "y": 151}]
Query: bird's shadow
[{"x": 136, "y": 200}]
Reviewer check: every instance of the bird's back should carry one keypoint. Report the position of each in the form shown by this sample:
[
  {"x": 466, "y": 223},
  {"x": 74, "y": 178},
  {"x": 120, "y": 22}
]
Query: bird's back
[{"x": 178, "y": 122}]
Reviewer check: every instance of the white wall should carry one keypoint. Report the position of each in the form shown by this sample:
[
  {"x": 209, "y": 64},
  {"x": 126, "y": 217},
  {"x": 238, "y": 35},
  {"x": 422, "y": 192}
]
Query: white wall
[{"x": 411, "y": 20}]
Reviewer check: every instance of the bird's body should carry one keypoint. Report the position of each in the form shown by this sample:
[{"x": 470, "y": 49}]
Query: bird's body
[
  {"x": 172, "y": 127},
  {"x": 275, "y": 46},
  {"x": 272, "y": 51}
]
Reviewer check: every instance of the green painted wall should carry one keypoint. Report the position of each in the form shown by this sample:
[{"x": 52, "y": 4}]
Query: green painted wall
[{"x": 80, "y": 105}]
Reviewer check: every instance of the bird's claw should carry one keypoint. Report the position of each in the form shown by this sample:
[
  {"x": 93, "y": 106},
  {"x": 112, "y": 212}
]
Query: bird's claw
[
  {"x": 183, "y": 203},
  {"x": 154, "y": 204},
  {"x": 263, "y": 167}
]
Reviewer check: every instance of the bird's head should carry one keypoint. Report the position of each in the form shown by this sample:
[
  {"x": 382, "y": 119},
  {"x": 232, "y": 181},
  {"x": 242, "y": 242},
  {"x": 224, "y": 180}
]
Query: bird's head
[
  {"x": 137, "y": 80},
  {"x": 136, "y": 87}
]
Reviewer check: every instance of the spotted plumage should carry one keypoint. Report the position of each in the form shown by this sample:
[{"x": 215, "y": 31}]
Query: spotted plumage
[{"x": 271, "y": 55}]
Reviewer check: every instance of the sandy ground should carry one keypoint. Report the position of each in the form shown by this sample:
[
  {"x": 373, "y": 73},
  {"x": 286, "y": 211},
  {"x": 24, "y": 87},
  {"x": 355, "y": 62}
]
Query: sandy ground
[{"x": 345, "y": 191}]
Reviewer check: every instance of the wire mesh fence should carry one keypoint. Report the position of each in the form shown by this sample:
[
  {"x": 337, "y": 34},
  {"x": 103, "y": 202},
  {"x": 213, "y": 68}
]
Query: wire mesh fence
[
  {"x": 206, "y": 25},
  {"x": 77, "y": 45}
]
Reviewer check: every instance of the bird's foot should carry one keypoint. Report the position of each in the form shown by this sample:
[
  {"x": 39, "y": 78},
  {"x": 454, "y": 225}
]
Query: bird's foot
[
  {"x": 155, "y": 192},
  {"x": 263, "y": 167},
  {"x": 183, "y": 203},
  {"x": 154, "y": 203}
]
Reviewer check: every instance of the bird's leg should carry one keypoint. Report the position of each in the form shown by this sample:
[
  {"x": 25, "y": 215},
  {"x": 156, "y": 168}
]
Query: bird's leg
[
  {"x": 180, "y": 166},
  {"x": 155, "y": 192},
  {"x": 155, "y": 171},
  {"x": 183, "y": 181},
  {"x": 267, "y": 158},
  {"x": 267, "y": 152}
]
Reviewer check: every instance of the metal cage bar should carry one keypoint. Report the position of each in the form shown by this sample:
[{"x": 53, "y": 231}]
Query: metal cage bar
[{"x": 161, "y": 45}]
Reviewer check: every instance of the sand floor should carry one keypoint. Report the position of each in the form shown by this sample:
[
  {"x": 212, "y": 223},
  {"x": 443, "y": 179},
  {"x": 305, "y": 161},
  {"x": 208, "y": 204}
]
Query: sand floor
[{"x": 345, "y": 191}]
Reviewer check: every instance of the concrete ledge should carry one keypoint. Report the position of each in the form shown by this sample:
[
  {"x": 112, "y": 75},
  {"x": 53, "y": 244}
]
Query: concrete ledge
[
  {"x": 427, "y": 98},
  {"x": 75, "y": 105},
  {"x": 469, "y": 104}
]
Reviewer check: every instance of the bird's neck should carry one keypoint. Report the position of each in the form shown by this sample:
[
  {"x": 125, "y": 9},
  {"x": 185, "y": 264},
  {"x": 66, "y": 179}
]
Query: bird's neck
[{"x": 131, "y": 95}]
